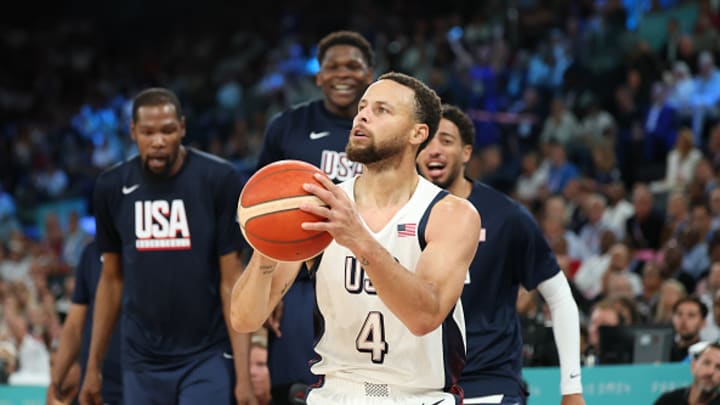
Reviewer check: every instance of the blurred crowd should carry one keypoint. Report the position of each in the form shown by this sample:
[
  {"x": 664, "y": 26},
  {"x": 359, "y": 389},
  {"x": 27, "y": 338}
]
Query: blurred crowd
[{"x": 611, "y": 140}]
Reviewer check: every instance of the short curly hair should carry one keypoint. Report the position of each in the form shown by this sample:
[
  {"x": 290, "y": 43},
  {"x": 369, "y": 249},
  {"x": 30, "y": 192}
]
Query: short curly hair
[{"x": 350, "y": 38}]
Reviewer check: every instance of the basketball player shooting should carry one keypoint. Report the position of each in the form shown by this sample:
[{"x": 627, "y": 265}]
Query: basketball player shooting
[{"x": 388, "y": 286}]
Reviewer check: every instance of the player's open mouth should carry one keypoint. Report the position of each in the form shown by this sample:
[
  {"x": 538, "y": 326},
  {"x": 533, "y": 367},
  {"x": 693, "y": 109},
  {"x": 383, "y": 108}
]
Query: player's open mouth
[{"x": 435, "y": 169}]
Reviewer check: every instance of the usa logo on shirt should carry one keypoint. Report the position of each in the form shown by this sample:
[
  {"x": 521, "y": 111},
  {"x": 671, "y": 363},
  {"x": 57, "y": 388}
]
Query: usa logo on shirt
[{"x": 406, "y": 230}]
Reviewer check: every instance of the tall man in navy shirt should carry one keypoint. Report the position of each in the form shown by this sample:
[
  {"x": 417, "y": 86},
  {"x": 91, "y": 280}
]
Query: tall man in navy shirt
[
  {"x": 167, "y": 232},
  {"x": 512, "y": 252},
  {"x": 316, "y": 132},
  {"x": 75, "y": 337}
]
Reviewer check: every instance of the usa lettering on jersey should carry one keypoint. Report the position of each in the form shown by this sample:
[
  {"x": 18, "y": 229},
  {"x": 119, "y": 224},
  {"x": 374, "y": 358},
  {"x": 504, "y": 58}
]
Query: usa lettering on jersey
[
  {"x": 337, "y": 166},
  {"x": 161, "y": 225}
]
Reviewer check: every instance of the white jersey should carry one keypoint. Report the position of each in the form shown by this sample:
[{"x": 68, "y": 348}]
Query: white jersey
[{"x": 360, "y": 338}]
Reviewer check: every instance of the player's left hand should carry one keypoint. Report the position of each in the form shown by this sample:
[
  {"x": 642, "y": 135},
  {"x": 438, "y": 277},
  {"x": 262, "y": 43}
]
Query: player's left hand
[
  {"x": 572, "y": 399},
  {"x": 343, "y": 220},
  {"x": 244, "y": 393}
]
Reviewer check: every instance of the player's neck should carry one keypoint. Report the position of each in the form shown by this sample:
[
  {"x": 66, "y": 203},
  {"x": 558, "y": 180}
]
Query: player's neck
[{"x": 385, "y": 187}]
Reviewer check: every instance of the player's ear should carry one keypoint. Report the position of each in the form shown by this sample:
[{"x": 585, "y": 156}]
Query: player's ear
[
  {"x": 419, "y": 134},
  {"x": 182, "y": 127},
  {"x": 466, "y": 153},
  {"x": 133, "y": 128}
]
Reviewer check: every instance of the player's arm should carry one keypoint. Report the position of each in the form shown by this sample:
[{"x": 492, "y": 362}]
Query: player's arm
[
  {"x": 423, "y": 299},
  {"x": 566, "y": 330},
  {"x": 258, "y": 291},
  {"x": 106, "y": 311},
  {"x": 68, "y": 349},
  {"x": 420, "y": 299},
  {"x": 230, "y": 268}
]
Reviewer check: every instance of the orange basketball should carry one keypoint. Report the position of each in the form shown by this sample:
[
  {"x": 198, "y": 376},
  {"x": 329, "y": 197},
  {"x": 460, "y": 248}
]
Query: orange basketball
[{"x": 269, "y": 216}]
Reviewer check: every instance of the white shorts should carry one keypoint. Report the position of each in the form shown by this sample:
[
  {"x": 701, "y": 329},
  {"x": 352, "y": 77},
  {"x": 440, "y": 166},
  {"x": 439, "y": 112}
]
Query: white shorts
[{"x": 339, "y": 391}]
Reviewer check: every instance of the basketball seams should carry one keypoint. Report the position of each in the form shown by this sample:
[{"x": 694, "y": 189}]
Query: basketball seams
[{"x": 273, "y": 206}]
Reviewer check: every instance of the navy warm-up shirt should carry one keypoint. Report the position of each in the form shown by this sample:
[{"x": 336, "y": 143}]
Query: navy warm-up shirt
[
  {"x": 514, "y": 252},
  {"x": 170, "y": 235},
  {"x": 87, "y": 276},
  {"x": 306, "y": 132}
]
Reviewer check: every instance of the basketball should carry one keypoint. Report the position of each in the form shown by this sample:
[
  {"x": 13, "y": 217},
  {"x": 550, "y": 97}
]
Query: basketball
[{"x": 270, "y": 217}]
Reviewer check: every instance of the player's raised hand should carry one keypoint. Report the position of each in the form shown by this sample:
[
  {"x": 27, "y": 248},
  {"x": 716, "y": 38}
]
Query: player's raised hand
[{"x": 343, "y": 220}]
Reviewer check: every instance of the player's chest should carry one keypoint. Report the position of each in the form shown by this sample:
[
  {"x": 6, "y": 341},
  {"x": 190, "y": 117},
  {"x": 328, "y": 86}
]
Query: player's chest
[{"x": 172, "y": 216}]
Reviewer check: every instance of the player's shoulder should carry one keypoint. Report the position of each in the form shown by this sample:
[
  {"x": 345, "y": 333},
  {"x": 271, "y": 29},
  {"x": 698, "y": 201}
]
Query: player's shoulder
[
  {"x": 296, "y": 112},
  {"x": 116, "y": 173},
  {"x": 487, "y": 198},
  {"x": 209, "y": 161}
]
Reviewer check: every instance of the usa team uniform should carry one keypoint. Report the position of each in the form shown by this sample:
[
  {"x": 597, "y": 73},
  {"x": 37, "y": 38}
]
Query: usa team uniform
[
  {"x": 366, "y": 354},
  {"x": 170, "y": 234},
  {"x": 87, "y": 276},
  {"x": 310, "y": 133},
  {"x": 514, "y": 252}
]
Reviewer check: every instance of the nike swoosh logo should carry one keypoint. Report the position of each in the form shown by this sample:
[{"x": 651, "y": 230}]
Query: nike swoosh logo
[
  {"x": 227, "y": 355},
  {"x": 317, "y": 135},
  {"x": 128, "y": 190},
  {"x": 575, "y": 375},
  {"x": 435, "y": 403}
]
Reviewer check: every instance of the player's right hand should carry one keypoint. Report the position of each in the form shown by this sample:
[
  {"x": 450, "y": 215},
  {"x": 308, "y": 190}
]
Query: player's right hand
[
  {"x": 59, "y": 393},
  {"x": 90, "y": 392}
]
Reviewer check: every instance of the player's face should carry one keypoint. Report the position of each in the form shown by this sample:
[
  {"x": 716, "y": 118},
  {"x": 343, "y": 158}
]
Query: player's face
[
  {"x": 383, "y": 123},
  {"x": 706, "y": 370},
  {"x": 343, "y": 77},
  {"x": 158, "y": 133},
  {"x": 443, "y": 159}
]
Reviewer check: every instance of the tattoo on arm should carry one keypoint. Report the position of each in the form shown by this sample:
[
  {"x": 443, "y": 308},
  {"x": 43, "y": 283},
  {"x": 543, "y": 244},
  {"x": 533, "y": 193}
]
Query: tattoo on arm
[
  {"x": 267, "y": 268},
  {"x": 364, "y": 261}
]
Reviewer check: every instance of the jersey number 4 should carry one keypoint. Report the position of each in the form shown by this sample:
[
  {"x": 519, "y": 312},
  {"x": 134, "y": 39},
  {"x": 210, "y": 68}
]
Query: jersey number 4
[{"x": 371, "y": 338}]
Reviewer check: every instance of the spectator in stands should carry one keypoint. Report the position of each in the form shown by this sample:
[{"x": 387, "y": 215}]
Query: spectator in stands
[
  {"x": 560, "y": 126},
  {"x": 643, "y": 230},
  {"x": 671, "y": 292},
  {"x": 561, "y": 169},
  {"x": 710, "y": 293},
  {"x": 8, "y": 219},
  {"x": 591, "y": 232},
  {"x": 706, "y": 95},
  {"x": 603, "y": 313},
  {"x": 651, "y": 282},
  {"x": 618, "y": 209},
  {"x": 681, "y": 163},
  {"x": 589, "y": 276},
  {"x": 677, "y": 217},
  {"x": 531, "y": 180},
  {"x": 688, "y": 318},
  {"x": 669, "y": 49},
  {"x": 620, "y": 264},
  {"x": 681, "y": 92},
  {"x": 659, "y": 125},
  {"x": 259, "y": 372},
  {"x": 705, "y": 369}
]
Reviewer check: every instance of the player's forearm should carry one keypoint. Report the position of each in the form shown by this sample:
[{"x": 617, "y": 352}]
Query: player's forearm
[
  {"x": 414, "y": 301},
  {"x": 68, "y": 350},
  {"x": 254, "y": 295},
  {"x": 240, "y": 342},
  {"x": 566, "y": 330},
  {"x": 106, "y": 312}
]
